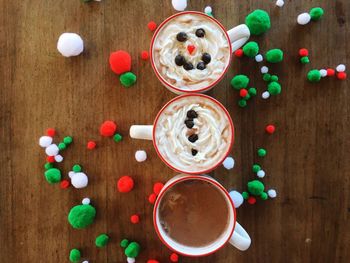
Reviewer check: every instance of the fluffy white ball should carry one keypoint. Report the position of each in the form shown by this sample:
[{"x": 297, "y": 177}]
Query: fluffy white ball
[
  {"x": 79, "y": 180},
  {"x": 86, "y": 201},
  {"x": 85, "y": 261},
  {"x": 179, "y": 5},
  {"x": 208, "y": 9},
  {"x": 303, "y": 19},
  {"x": 71, "y": 174},
  {"x": 140, "y": 156},
  {"x": 130, "y": 260},
  {"x": 272, "y": 193},
  {"x": 323, "y": 73},
  {"x": 237, "y": 198},
  {"x": 280, "y": 3},
  {"x": 265, "y": 95},
  {"x": 58, "y": 158},
  {"x": 52, "y": 150},
  {"x": 70, "y": 44},
  {"x": 259, "y": 58},
  {"x": 45, "y": 141},
  {"x": 260, "y": 173},
  {"x": 264, "y": 69},
  {"x": 340, "y": 68},
  {"x": 229, "y": 163}
]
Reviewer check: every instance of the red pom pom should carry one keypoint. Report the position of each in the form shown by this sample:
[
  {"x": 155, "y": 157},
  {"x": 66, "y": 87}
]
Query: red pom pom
[
  {"x": 341, "y": 75},
  {"x": 120, "y": 61},
  {"x": 251, "y": 200},
  {"x": 108, "y": 128},
  {"x": 238, "y": 53},
  {"x": 50, "y": 159},
  {"x": 243, "y": 93},
  {"x": 152, "y": 25},
  {"x": 303, "y": 52},
  {"x": 91, "y": 145},
  {"x": 330, "y": 72},
  {"x": 50, "y": 132},
  {"x": 152, "y": 261},
  {"x": 135, "y": 219},
  {"x": 125, "y": 184},
  {"x": 157, "y": 187},
  {"x": 144, "y": 55},
  {"x": 152, "y": 198},
  {"x": 174, "y": 257},
  {"x": 64, "y": 184},
  {"x": 270, "y": 129}
]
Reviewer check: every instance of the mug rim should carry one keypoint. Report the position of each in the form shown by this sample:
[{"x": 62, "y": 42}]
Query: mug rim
[
  {"x": 185, "y": 178},
  {"x": 169, "y": 85},
  {"x": 181, "y": 97}
]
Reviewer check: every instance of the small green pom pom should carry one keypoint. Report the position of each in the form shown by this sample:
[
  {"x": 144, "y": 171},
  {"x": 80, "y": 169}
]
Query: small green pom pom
[
  {"x": 245, "y": 195},
  {"x": 262, "y": 152},
  {"x": 274, "y": 88},
  {"x": 258, "y": 22},
  {"x": 247, "y": 97},
  {"x": 251, "y": 49},
  {"x": 210, "y": 14},
  {"x": 74, "y": 255},
  {"x": 132, "y": 250},
  {"x": 274, "y": 78},
  {"x": 242, "y": 103},
  {"x": 274, "y": 55},
  {"x": 239, "y": 82},
  {"x": 81, "y": 216},
  {"x": 124, "y": 243},
  {"x": 101, "y": 240},
  {"x": 316, "y": 13},
  {"x": 117, "y": 137},
  {"x": 48, "y": 166},
  {"x": 304, "y": 60},
  {"x": 53, "y": 175},
  {"x": 127, "y": 79},
  {"x": 255, "y": 187},
  {"x": 76, "y": 168},
  {"x": 256, "y": 168},
  {"x": 263, "y": 196},
  {"x": 266, "y": 77},
  {"x": 62, "y": 146},
  {"x": 252, "y": 91},
  {"x": 68, "y": 140},
  {"x": 314, "y": 75}
]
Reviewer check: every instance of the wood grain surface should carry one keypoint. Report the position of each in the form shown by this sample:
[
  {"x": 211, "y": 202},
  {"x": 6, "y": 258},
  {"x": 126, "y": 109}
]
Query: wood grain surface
[{"x": 307, "y": 161}]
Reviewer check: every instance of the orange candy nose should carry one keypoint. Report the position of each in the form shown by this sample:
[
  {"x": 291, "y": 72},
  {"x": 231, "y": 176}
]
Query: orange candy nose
[{"x": 190, "y": 49}]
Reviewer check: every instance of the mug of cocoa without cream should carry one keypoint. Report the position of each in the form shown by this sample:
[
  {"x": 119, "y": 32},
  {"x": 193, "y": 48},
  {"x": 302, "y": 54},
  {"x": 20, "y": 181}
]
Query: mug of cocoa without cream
[
  {"x": 195, "y": 216},
  {"x": 191, "y": 51}
]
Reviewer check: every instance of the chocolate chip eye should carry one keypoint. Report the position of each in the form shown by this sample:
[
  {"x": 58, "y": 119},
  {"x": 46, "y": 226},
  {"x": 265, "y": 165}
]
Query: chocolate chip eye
[
  {"x": 180, "y": 60},
  {"x": 200, "y": 32},
  {"x": 189, "y": 123},
  {"x": 194, "y": 152},
  {"x": 193, "y": 138},
  {"x": 188, "y": 66},
  {"x": 206, "y": 58},
  {"x": 201, "y": 65},
  {"x": 182, "y": 37},
  {"x": 192, "y": 114}
]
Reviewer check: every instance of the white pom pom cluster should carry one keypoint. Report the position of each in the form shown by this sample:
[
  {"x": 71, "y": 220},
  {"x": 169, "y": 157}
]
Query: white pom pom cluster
[
  {"x": 78, "y": 180},
  {"x": 272, "y": 193},
  {"x": 52, "y": 150},
  {"x": 179, "y": 5},
  {"x": 280, "y": 3},
  {"x": 45, "y": 141},
  {"x": 237, "y": 198},
  {"x": 140, "y": 156},
  {"x": 304, "y": 18},
  {"x": 70, "y": 44},
  {"x": 265, "y": 95},
  {"x": 229, "y": 163}
]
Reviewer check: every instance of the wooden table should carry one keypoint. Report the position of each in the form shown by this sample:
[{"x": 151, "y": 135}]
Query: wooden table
[{"x": 307, "y": 161}]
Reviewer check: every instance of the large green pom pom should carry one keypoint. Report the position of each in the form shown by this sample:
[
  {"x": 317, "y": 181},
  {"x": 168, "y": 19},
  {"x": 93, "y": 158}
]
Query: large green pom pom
[
  {"x": 314, "y": 75},
  {"x": 101, "y": 240},
  {"x": 53, "y": 175},
  {"x": 274, "y": 88},
  {"x": 81, "y": 216},
  {"x": 239, "y": 82},
  {"x": 274, "y": 55},
  {"x": 255, "y": 187},
  {"x": 251, "y": 49},
  {"x": 316, "y": 13},
  {"x": 258, "y": 22},
  {"x": 74, "y": 255},
  {"x": 127, "y": 79},
  {"x": 133, "y": 250}
]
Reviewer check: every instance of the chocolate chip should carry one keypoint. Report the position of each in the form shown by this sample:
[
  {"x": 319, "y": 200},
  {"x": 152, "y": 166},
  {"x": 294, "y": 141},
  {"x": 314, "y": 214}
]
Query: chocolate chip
[
  {"x": 200, "y": 32},
  {"x": 192, "y": 138},
  {"x": 206, "y": 58},
  {"x": 188, "y": 66},
  {"x": 182, "y": 37},
  {"x": 189, "y": 123},
  {"x": 180, "y": 60},
  {"x": 194, "y": 152},
  {"x": 201, "y": 65},
  {"x": 192, "y": 114}
]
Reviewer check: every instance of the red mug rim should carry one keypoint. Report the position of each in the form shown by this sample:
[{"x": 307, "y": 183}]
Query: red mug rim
[
  {"x": 178, "y": 98},
  {"x": 166, "y": 83},
  {"x": 185, "y": 178}
]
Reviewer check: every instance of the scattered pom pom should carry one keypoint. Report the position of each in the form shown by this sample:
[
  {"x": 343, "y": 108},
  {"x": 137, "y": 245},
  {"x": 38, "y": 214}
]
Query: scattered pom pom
[
  {"x": 208, "y": 9},
  {"x": 239, "y": 82},
  {"x": 252, "y": 91},
  {"x": 262, "y": 152},
  {"x": 303, "y": 19},
  {"x": 245, "y": 195},
  {"x": 243, "y": 93},
  {"x": 274, "y": 55},
  {"x": 157, "y": 187},
  {"x": 323, "y": 73},
  {"x": 127, "y": 79},
  {"x": 179, "y": 5},
  {"x": 58, "y": 158},
  {"x": 330, "y": 72},
  {"x": 237, "y": 198},
  {"x": 152, "y": 261},
  {"x": 265, "y": 95},
  {"x": 79, "y": 180},
  {"x": 251, "y": 49},
  {"x": 67, "y": 140},
  {"x": 117, "y": 137},
  {"x": 270, "y": 129},
  {"x": 229, "y": 163},
  {"x": 86, "y": 201},
  {"x": 64, "y": 184},
  {"x": 263, "y": 196},
  {"x": 303, "y": 52},
  {"x": 152, "y": 25},
  {"x": 48, "y": 166},
  {"x": 259, "y": 58},
  {"x": 238, "y": 53},
  {"x": 140, "y": 156},
  {"x": 174, "y": 257},
  {"x": 272, "y": 193},
  {"x": 91, "y": 145},
  {"x": 53, "y": 175},
  {"x": 304, "y": 60},
  {"x": 101, "y": 240},
  {"x": 274, "y": 88},
  {"x": 50, "y": 159},
  {"x": 261, "y": 174},
  {"x": 340, "y": 68},
  {"x": 280, "y": 3},
  {"x": 108, "y": 128},
  {"x": 135, "y": 219},
  {"x": 144, "y": 55},
  {"x": 242, "y": 103},
  {"x": 341, "y": 75},
  {"x": 124, "y": 243},
  {"x": 255, "y": 187},
  {"x": 316, "y": 13},
  {"x": 264, "y": 69},
  {"x": 256, "y": 168},
  {"x": 74, "y": 255},
  {"x": 258, "y": 22},
  {"x": 152, "y": 198},
  {"x": 52, "y": 150},
  {"x": 50, "y": 132},
  {"x": 76, "y": 169},
  {"x": 120, "y": 62},
  {"x": 125, "y": 184},
  {"x": 81, "y": 216},
  {"x": 70, "y": 44},
  {"x": 130, "y": 260},
  {"x": 132, "y": 250},
  {"x": 314, "y": 75},
  {"x": 251, "y": 200}
]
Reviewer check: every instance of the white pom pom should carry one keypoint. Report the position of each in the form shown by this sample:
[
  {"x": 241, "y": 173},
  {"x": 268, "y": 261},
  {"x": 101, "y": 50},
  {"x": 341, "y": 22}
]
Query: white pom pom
[
  {"x": 208, "y": 9},
  {"x": 323, "y": 73},
  {"x": 260, "y": 173},
  {"x": 237, "y": 198},
  {"x": 265, "y": 95},
  {"x": 58, "y": 158},
  {"x": 140, "y": 156},
  {"x": 71, "y": 174},
  {"x": 79, "y": 180},
  {"x": 86, "y": 201},
  {"x": 340, "y": 68},
  {"x": 179, "y": 5},
  {"x": 52, "y": 150},
  {"x": 303, "y": 19},
  {"x": 45, "y": 141},
  {"x": 130, "y": 260},
  {"x": 85, "y": 261},
  {"x": 280, "y": 3},
  {"x": 272, "y": 193},
  {"x": 259, "y": 58},
  {"x": 229, "y": 163},
  {"x": 70, "y": 44},
  {"x": 264, "y": 69}
]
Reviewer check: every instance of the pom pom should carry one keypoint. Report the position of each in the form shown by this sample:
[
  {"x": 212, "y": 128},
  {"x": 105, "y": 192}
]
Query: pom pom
[
  {"x": 50, "y": 132},
  {"x": 179, "y": 5},
  {"x": 280, "y": 3},
  {"x": 239, "y": 82},
  {"x": 255, "y": 187},
  {"x": 274, "y": 55},
  {"x": 76, "y": 168},
  {"x": 242, "y": 103},
  {"x": 79, "y": 180},
  {"x": 127, "y": 79},
  {"x": 208, "y": 9},
  {"x": 245, "y": 195},
  {"x": 265, "y": 95},
  {"x": 260, "y": 174},
  {"x": 157, "y": 187},
  {"x": 70, "y": 44},
  {"x": 264, "y": 69},
  {"x": 108, "y": 128},
  {"x": 125, "y": 184},
  {"x": 81, "y": 216},
  {"x": 64, "y": 184},
  {"x": 258, "y": 22},
  {"x": 314, "y": 75},
  {"x": 262, "y": 152},
  {"x": 124, "y": 243},
  {"x": 48, "y": 166},
  {"x": 120, "y": 62},
  {"x": 67, "y": 140},
  {"x": 174, "y": 257},
  {"x": 263, "y": 196},
  {"x": 251, "y": 49},
  {"x": 130, "y": 260},
  {"x": 58, "y": 158},
  {"x": 71, "y": 174},
  {"x": 252, "y": 91},
  {"x": 270, "y": 129},
  {"x": 117, "y": 137},
  {"x": 340, "y": 68},
  {"x": 91, "y": 145},
  {"x": 251, "y": 200},
  {"x": 101, "y": 240},
  {"x": 229, "y": 163},
  {"x": 341, "y": 75},
  {"x": 152, "y": 261},
  {"x": 259, "y": 58},
  {"x": 52, "y": 150},
  {"x": 140, "y": 156},
  {"x": 152, "y": 25},
  {"x": 304, "y": 60},
  {"x": 86, "y": 201},
  {"x": 135, "y": 219},
  {"x": 274, "y": 88},
  {"x": 238, "y": 53},
  {"x": 144, "y": 55},
  {"x": 74, "y": 255},
  {"x": 132, "y": 250},
  {"x": 303, "y": 19},
  {"x": 50, "y": 159},
  {"x": 256, "y": 168},
  {"x": 237, "y": 198},
  {"x": 272, "y": 193},
  {"x": 330, "y": 72},
  {"x": 323, "y": 73},
  {"x": 316, "y": 13},
  {"x": 303, "y": 52},
  {"x": 152, "y": 198},
  {"x": 243, "y": 93},
  {"x": 53, "y": 175},
  {"x": 274, "y": 78}
]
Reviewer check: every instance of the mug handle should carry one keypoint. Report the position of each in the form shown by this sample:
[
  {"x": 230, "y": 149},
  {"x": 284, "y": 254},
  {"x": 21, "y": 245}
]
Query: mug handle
[
  {"x": 144, "y": 132},
  {"x": 238, "y": 36},
  {"x": 240, "y": 238}
]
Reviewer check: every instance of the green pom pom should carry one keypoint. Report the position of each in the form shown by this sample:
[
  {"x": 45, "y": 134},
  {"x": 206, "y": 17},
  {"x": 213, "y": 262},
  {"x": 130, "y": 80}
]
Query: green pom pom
[
  {"x": 132, "y": 250},
  {"x": 256, "y": 168},
  {"x": 251, "y": 49},
  {"x": 263, "y": 196},
  {"x": 258, "y": 22},
  {"x": 247, "y": 97},
  {"x": 239, "y": 82},
  {"x": 266, "y": 77},
  {"x": 316, "y": 13},
  {"x": 124, "y": 243},
  {"x": 76, "y": 168},
  {"x": 274, "y": 78},
  {"x": 262, "y": 152},
  {"x": 127, "y": 79},
  {"x": 255, "y": 187},
  {"x": 62, "y": 146},
  {"x": 274, "y": 88},
  {"x": 242, "y": 103},
  {"x": 101, "y": 240},
  {"x": 210, "y": 14},
  {"x": 81, "y": 216},
  {"x": 274, "y": 55},
  {"x": 252, "y": 91},
  {"x": 245, "y": 195},
  {"x": 68, "y": 140},
  {"x": 314, "y": 75},
  {"x": 53, "y": 175},
  {"x": 74, "y": 255},
  {"x": 117, "y": 137},
  {"x": 48, "y": 166},
  {"x": 304, "y": 60}
]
